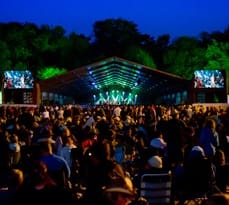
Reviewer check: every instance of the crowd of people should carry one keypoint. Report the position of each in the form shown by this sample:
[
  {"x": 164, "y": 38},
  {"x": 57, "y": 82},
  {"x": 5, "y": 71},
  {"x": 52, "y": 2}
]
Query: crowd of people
[{"x": 86, "y": 155}]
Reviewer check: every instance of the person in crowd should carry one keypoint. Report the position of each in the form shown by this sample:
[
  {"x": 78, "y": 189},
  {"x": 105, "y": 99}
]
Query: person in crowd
[
  {"x": 40, "y": 188},
  {"x": 71, "y": 152},
  {"x": 61, "y": 139},
  {"x": 119, "y": 193},
  {"x": 153, "y": 165},
  {"x": 57, "y": 166},
  {"x": 15, "y": 148},
  {"x": 141, "y": 134},
  {"x": 60, "y": 112},
  {"x": 26, "y": 118},
  {"x": 217, "y": 199},
  {"x": 4, "y": 154},
  {"x": 66, "y": 150},
  {"x": 221, "y": 170},
  {"x": 100, "y": 170},
  {"x": 119, "y": 149},
  {"x": 199, "y": 175},
  {"x": 94, "y": 168},
  {"x": 209, "y": 138},
  {"x": 159, "y": 144},
  {"x": 117, "y": 111},
  {"x": 175, "y": 131},
  {"x": 9, "y": 192}
]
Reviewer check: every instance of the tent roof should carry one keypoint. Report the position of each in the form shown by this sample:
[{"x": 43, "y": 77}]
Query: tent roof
[{"x": 109, "y": 74}]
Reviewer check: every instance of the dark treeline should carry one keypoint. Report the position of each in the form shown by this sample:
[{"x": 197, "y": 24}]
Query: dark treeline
[{"x": 36, "y": 47}]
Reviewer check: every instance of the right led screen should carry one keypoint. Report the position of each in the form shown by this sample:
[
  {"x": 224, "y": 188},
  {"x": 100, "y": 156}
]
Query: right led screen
[{"x": 209, "y": 79}]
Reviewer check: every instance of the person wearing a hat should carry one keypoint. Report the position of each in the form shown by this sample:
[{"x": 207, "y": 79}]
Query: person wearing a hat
[
  {"x": 154, "y": 165},
  {"x": 155, "y": 162},
  {"x": 158, "y": 144},
  {"x": 119, "y": 193}
]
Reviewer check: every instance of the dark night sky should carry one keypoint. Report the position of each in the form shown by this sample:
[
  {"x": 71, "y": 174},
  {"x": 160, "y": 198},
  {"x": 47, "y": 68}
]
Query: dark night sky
[{"x": 153, "y": 17}]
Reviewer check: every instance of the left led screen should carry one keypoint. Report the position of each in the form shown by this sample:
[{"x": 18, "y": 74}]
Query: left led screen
[{"x": 18, "y": 79}]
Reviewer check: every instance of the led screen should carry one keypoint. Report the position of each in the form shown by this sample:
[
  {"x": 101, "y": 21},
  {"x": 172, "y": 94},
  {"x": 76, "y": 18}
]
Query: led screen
[
  {"x": 18, "y": 79},
  {"x": 209, "y": 79}
]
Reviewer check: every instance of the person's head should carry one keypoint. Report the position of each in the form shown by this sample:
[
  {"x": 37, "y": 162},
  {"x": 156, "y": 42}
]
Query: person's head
[
  {"x": 217, "y": 199},
  {"x": 39, "y": 171},
  {"x": 14, "y": 138},
  {"x": 65, "y": 131},
  {"x": 71, "y": 140},
  {"x": 196, "y": 152},
  {"x": 40, "y": 177},
  {"x": 45, "y": 147},
  {"x": 118, "y": 198},
  {"x": 120, "y": 194},
  {"x": 175, "y": 114},
  {"x": 211, "y": 124},
  {"x": 45, "y": 133},
  {"x": 102, "y": 150},
  {"x": 219, "y": 158},
  {"x": 140, "y": 201},
  {"x": 15, "y": 179},
  {"x": 155, "y": 162}
]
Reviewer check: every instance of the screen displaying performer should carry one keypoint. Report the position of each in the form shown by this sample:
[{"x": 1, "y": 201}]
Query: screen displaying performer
[
  {"x": 209, "y": 79},
  {"x": 18, "y": 80}
]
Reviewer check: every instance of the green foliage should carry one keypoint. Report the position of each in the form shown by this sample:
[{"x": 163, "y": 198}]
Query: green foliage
[
  {"x": 20, "y": 65},
  {"x": 183, "y": 57},
  {"x": 42, "y": 43},
  {"x": 139, "y": 55},
  {"x": 74, "y": 51},
  {"x": 50, "y": 72},
  {"x": 113, "y": 36},
  {"x": 22, "y": 53},
  {"x": 217, "y": 56},
  {"x": 5, "y": 61}
]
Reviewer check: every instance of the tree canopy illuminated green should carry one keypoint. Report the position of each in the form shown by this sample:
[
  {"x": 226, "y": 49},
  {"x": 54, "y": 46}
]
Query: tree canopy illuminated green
[
  {"x": 46, "y": 73},
  {"x": 217, "y": 56}
]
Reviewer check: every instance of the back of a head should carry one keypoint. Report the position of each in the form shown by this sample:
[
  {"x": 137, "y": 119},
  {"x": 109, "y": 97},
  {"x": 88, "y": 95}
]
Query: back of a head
[
  {"x": 45, "y": 147},
  {"x": 219, "y": 158},
  {"x": 211, "y": 124},
  {"x": 102, "y": 150},
  {"x": 197, "y": 152},
  {"x": 16, "y": 178},
  {"x": 218, "y": 199}
]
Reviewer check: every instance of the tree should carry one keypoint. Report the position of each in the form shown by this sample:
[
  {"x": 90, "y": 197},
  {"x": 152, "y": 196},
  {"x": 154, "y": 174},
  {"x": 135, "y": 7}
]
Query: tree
[
  {"x": 49, "y": 72},
  {"x": 75, "y": 51},
  {"x": 160, "y": 48},
  {"x": 139, "y": 55},
  {"x": 217, "y": 55},
  {"x": 5, "y": 61},
  {"x": 114, "y": 36},
  {"x": 14, "y": 36},
  {"x": 184, "y": 56}
]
